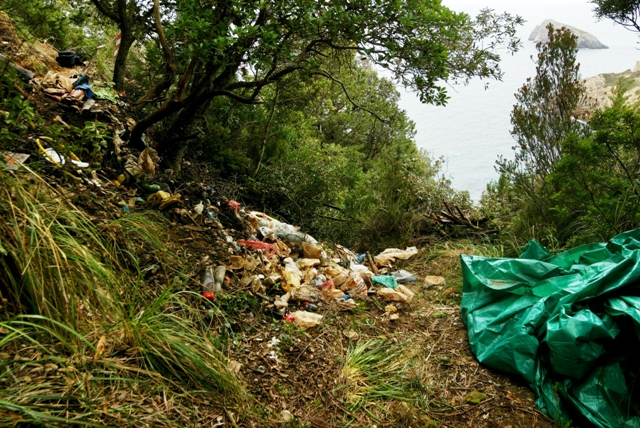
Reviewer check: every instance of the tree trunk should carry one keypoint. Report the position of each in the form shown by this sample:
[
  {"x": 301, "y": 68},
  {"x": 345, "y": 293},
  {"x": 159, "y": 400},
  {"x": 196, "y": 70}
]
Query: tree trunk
[
  {"x": 120, "y": 67},
  {"x": 175, "y": 142},
  {"x": 173, "y": 153},
  {"x": 151, "y": 119}
]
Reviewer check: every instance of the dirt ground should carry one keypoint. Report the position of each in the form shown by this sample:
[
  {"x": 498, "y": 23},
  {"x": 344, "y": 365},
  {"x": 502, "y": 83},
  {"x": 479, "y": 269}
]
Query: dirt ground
[{"x": 297, "y": 375}]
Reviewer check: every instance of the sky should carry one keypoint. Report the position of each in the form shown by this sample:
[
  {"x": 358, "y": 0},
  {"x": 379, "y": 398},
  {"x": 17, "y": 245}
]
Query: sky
[{"x": 578, "y": 13}]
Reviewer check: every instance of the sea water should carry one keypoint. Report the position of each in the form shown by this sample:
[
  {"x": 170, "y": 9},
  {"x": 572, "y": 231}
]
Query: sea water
[{"x": 473, "y": 129}]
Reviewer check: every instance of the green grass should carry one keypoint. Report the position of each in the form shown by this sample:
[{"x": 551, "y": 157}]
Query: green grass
[
  {"x": 83, "y": 339},
  {"x": 379, "y": 370},
  {"x": 55, "y": 263}
]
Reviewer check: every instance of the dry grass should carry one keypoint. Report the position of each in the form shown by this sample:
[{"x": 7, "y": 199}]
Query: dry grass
[{"x": 82, "y": 341}]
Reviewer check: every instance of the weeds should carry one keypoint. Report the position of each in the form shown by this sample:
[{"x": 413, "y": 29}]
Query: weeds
[
  {"x": 86, "y": 327},
  {"x": 378, "y": 370},
  {"x": 55, "y": 264}
]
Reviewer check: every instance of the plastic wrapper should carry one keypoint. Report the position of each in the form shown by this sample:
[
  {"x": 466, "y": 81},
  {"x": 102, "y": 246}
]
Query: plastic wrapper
[
  {"x": 402, "y": 276},
  {"x": 390, "y": 255},
  {"x": 306, "y": 319},
  {"x": 286, "y": 232}
]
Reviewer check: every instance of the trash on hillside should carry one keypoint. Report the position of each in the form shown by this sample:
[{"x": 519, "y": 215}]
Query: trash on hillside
[
  {"x": 54, "y": 80},
  {"x": 52, "y": 156},
  {"x": 164, "y": 200},
  {"x": 66, "y": 89},
  {"x": 311, "y": 307},
  {"x": 390, "y": 255},
  {"x": 291, "y": 274},
  {"x": 254, "y": 244},
  {"x": 306, "y": 293},
  {"x": 13, "y": 161},
  {"x": 400, "y": 294},
  {"x": 288, "y": 268},
  {"x": 306, "y": 319},
  {"x": 133, "y": 168},
  {"x": 148, "y": 161},
  {"x": 390, "y": 309},
  {"x": 291, "y": 235},
  {"x": 307, "y": 263},
  {"x": 234, "y": 205},
  {"x": 236, "y": 262},
  {"x": 282, "y": 302},
  {"x": 88, "y": 104},
  {"x": 568, "y": 324},
  {"x": 67, "y": 59},
  {"x": 212, "y": 282},
  {"x": 350, "y": 334},
  {"x": 82, "y": 83},
  {"x": 312, "y": 251},
  {"x": 403, "y": 276},
  {"x": 431, "y": 280}
]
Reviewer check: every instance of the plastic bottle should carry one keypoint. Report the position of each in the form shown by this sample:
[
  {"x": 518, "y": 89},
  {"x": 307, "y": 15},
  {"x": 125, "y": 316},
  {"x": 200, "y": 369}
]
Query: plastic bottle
[{"x": 212, "y": 283}]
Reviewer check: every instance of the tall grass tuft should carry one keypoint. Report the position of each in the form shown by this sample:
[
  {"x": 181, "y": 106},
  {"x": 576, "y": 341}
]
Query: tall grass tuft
[
  {"x": 54, "y": 262},
  {"x": 83, "y": 339},
  {"x": 379, "y": 369},
  {"x": 170, "y": 335}
]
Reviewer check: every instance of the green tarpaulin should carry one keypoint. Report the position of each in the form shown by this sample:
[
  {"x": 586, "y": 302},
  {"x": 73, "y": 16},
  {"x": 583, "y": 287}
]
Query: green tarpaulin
[{"x": 568, "y": 324}]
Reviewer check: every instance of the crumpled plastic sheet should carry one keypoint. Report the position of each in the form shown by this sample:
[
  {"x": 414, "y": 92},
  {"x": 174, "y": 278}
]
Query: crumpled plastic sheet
[{"x": 569, "y": 325}]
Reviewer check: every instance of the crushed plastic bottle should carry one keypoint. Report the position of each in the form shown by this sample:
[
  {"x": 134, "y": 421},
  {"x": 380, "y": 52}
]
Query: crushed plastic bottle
[{"x": 212, "y": 282}]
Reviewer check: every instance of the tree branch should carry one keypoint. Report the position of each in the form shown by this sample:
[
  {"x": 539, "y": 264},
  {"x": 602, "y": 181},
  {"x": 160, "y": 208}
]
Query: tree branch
[
  {"x": 346, "y": 93},
  {"x": 102, "y": 7}
]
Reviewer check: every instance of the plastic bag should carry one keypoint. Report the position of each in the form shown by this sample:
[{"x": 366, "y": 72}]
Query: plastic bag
[
  {"x": 291, "y": 274},
  {"x": 568, "y": 324},
  {"x": 385, "y": 281},
  {"x": 402, "y": 276},
  {"x": 286, "y": 232},
  {"x": 306, "y": 319},
  {"x": 401, "y": 294},
  {"x": 390, "y": 255}
]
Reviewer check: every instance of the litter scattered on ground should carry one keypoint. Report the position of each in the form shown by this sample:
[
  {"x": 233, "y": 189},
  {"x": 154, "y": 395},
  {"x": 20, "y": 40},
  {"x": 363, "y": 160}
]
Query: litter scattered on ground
[
  {"x": 13, "y": 161},
  {"x": 569, "y": 325}
]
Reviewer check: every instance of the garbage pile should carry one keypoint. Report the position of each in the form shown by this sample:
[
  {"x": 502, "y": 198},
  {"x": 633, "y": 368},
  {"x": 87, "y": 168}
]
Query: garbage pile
[
  {"x": 287, "y": 267},
  {"x": 75, "y": 88},
  {"x": 279, "y": 263}
]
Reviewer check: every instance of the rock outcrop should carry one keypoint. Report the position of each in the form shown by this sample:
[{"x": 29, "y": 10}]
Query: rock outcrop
[
  {"x": 585, "y": 40},
  {"x": 599, "y": 88}
]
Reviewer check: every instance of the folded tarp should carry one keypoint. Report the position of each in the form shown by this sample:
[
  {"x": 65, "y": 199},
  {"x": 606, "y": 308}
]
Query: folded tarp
[{"x": 568, "y": 324}]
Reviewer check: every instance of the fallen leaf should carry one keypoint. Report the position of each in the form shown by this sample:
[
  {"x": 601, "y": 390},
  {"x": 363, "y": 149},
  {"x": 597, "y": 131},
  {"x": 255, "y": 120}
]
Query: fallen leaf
[
  {"x": 475, "y": 397},
  {"x": 102, "y": 343}
]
